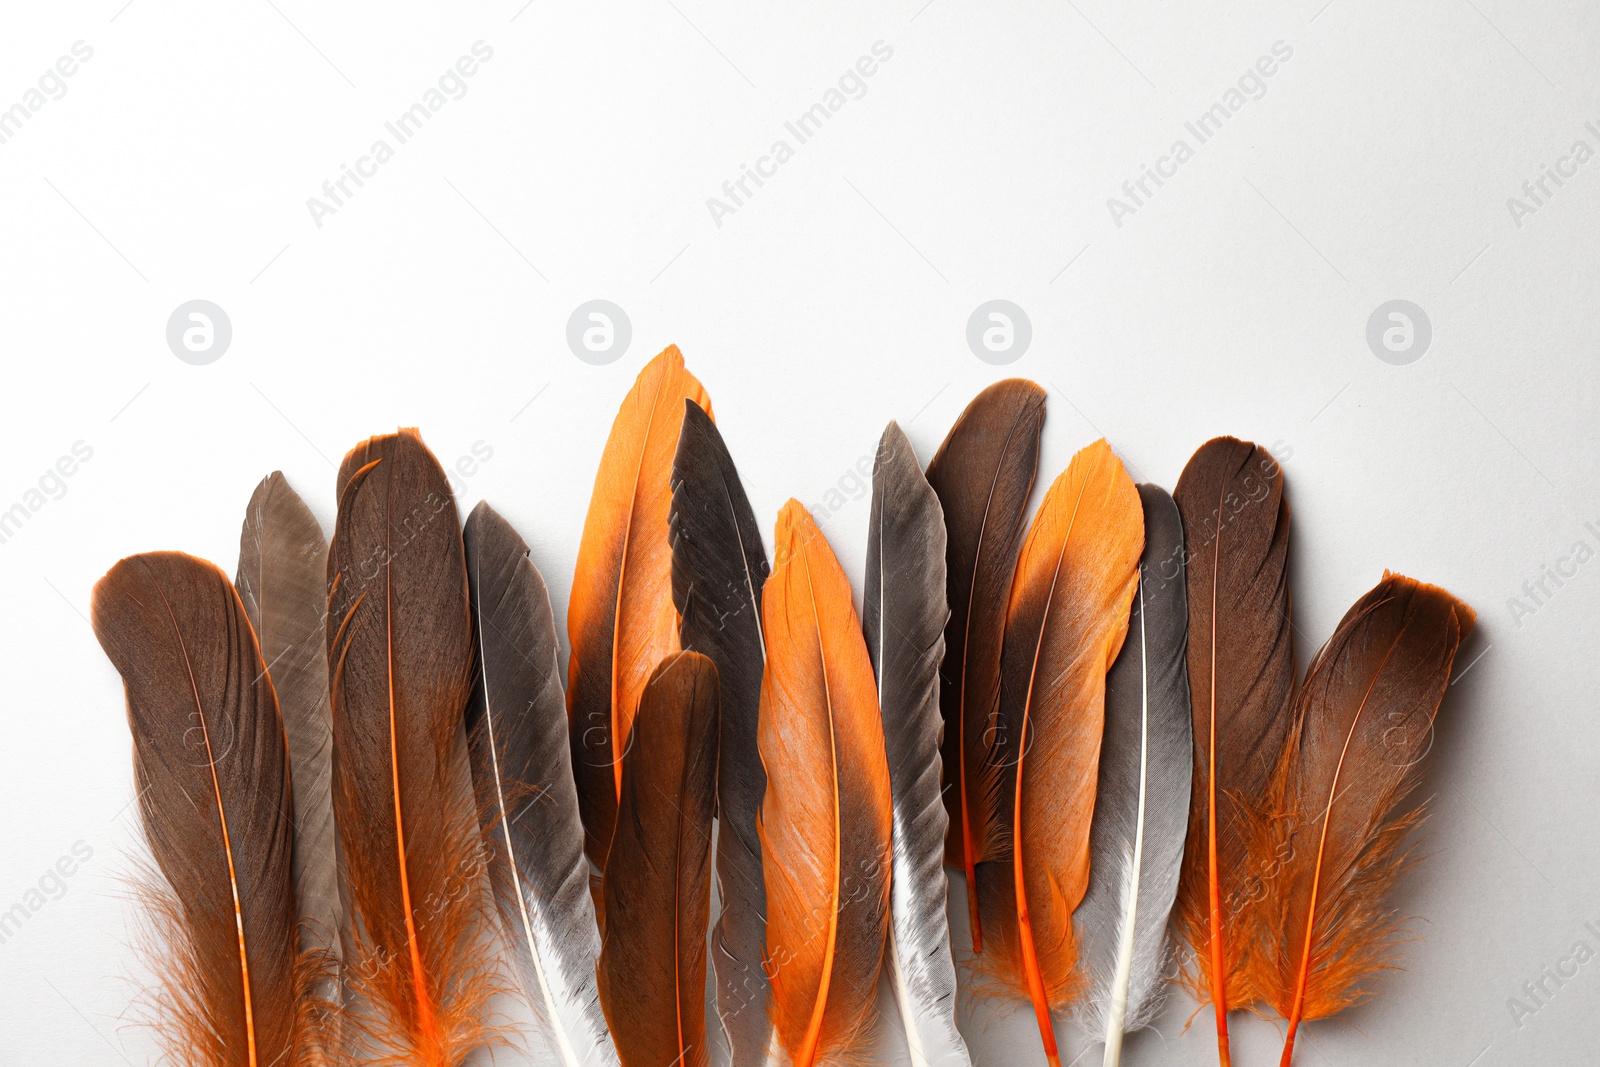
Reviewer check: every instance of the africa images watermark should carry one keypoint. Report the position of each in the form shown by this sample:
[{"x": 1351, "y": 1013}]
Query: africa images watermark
[
  {"x": 51, "y": 485},
  {"x": 1553, "y": 576},
  {"x": 451, "y": 85},
  {"x": 852, "y": 85},
  {"x": 52, "y": 85},
  {"x": 1252, "y": 85},
  {"x": 1537, "y": 192},
  {"x": 51, "y": 885},
  {"x": 1539, "y": 991}
]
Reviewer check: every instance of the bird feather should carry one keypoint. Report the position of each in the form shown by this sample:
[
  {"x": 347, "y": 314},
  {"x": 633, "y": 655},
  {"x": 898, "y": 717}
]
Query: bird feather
[
  {"x": 658, "y": 877},
  {"x": 826, "y": 820},
  {"x": 522, "y": 768},
  {"x": 983, "y": 475},
  {"x": 214, "y": 797},
  {"x": 1141, "y": 808},
  {"x": 1065, "y": 624},
  {"x": 905, "y": 615},
  {"x": 718, "y": 568},
  {"x": 400, "y": 656},
  {"x": 620, "y": 619}
]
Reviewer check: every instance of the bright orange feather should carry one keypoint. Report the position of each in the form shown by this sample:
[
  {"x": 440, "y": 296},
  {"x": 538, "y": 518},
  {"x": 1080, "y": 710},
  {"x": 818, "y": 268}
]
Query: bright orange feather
[
  {"x": 621, "y": 620},
  {"x": 1067, "y": 618},
  {"x": 825, "y": 820}
]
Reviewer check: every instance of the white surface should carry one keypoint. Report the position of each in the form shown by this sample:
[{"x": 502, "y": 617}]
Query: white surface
[{"x": 977, "y": 165}]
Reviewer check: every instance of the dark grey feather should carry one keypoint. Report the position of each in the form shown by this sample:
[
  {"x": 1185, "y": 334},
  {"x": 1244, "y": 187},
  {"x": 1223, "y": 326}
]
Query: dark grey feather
[
  {"x": 521, "y": 767},
  {"x": 718, "y": 568},
  {"x": 1147, "y": 744},
  {"x": 904, "y": 616},
  {"x": 283, "y": 563}
]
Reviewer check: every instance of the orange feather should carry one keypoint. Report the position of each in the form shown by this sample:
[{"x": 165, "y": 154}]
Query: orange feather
[
  {"x": 621, "y": 621},
  {"x": 825, "y": 820},
  {"x": 1065, "y": 624}
]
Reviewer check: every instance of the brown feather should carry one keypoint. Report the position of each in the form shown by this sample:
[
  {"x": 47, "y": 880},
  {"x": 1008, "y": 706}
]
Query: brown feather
[
  {"x": 825, "y": 821},
  {"x": 983, "y": 474},
  {"x": 212, "y": 771},
  {"x": 1241, "y": 685},
  {"x": 620, "y": 619},
  {"x": 658, "y": 877},
  {"x": 1067, "y": 618},
  {"x": 1364, "y": 725},
  {"x": 400, "y": 654}
]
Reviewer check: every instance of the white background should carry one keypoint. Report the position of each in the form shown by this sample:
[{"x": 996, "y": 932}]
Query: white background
[{"x": 977, "y": 165}]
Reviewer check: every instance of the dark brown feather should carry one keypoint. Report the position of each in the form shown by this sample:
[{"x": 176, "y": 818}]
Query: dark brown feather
[
  {"x": 983, "y": 474},
  {"x": 658, "y": 877},
  {"x": 1241, "y": 685}
]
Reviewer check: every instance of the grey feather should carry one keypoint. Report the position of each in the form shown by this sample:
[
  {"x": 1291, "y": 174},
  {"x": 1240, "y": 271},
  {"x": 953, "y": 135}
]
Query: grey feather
[
  {"x": 282, "y": 584},
  {"x": 1147, "y": 748},
  {"x": 521, "y": 767},
  {"x": 905, "y": 613},
  {"x": 718, "y": 568}
]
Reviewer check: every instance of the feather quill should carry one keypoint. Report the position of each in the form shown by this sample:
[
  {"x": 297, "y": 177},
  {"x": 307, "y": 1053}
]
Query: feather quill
[
  {"x": 400, "y": 656},
  {"x": 283, "y": 563},
  {"x": 620, "y": 620},
  {"x": 983, "y": 475},
  {"x": 522, "y": 768},
  {"x": 826, "y": 820},
  {"x": 1066, "y": 621},
  {"x": 658, "y": 877},
  {"x": 1366, "y": 716},
  {"x": 718, "y": 568},
  {"x": 212, "y": 771},
  {"x": 1141, "y": 808},
  {"x": 1241, "y": 684},
  {"x": 904, "y": 616}
]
